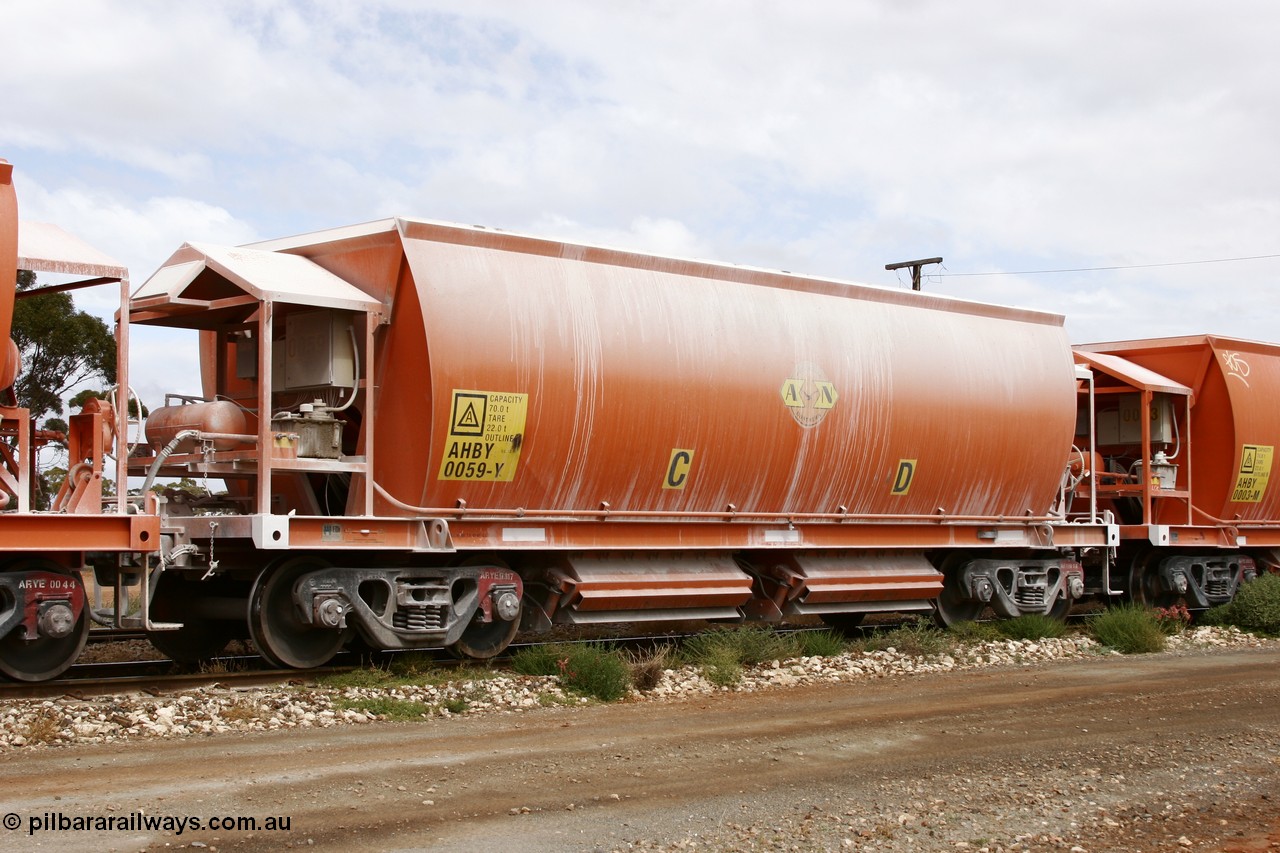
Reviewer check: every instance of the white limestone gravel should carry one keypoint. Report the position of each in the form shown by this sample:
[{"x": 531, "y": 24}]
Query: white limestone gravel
[{"x": 30, "y": 724}]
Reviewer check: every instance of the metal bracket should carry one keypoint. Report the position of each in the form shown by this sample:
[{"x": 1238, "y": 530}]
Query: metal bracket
[{"x": 270, "y": 532}]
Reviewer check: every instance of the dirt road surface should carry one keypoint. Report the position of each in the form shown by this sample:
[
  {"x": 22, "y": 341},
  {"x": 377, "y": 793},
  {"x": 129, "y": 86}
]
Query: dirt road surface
[{"x": 1147, "y": 753}]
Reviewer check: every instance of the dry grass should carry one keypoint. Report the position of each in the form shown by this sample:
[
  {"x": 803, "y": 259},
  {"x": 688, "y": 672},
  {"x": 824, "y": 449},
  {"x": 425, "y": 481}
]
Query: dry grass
[
  {"x": 647, "y": 666},
  {"x": 43, "y": 728},
  {"x": 242, "y": 711},
  {"x": 221, "y": 666}
]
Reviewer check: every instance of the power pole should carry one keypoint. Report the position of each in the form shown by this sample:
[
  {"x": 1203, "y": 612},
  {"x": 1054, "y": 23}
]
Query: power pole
[{"x": 915, "y": 269}]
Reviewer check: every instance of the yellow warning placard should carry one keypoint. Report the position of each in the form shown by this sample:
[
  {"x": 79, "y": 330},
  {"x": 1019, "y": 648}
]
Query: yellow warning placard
[
  {"x": 486, "y": 432},
  {"x": 903, "y": 476},
  {"x": 1255, "y": 470},
  {"x": 678, "y": 469}
]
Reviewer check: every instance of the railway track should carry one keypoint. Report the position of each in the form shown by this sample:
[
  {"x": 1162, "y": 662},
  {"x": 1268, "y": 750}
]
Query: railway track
[
  {"x": 115, "y": 635},
  {"x": 88, "y": 680},
  {"x": 160, "y": 675}
]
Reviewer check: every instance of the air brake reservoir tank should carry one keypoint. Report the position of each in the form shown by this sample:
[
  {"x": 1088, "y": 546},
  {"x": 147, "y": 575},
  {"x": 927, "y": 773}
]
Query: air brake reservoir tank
[
  {"x": 217, "y": 417},
  {"x": 524, "y": 373}
]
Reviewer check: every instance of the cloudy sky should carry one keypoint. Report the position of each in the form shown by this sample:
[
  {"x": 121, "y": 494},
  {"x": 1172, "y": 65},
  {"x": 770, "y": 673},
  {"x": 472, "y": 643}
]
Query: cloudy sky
[{"x": 821, "y": 136}]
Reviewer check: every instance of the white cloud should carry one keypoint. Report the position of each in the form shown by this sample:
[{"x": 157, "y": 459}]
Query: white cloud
[
  {"x": 139, "y": 232},
  {"x": 643, "y": 234}
]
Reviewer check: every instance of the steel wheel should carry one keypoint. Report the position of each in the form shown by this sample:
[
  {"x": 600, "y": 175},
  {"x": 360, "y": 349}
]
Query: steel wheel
[
  {"x": 278, "y": 630},
  {"x": 953, "y": 605},
  {"x": 1061, "y": 609},
  {"x": 1144, "y": 585},
  {"x": 44, "y": 657},
  {"x": 484, "y": 640}
]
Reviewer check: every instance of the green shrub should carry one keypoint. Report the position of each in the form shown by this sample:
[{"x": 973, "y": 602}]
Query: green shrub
[
  {"x": 702, "y": 647},
  {"x": 1129, "y": 629},
  {"x": 589, "y": 669},
  {"x": 412, "y": 664},
  {"x": 415, "y": 667},
  {"x": 1219, "y": 616},
  {"x": 539, "y": 660},
  {"x": 1256, "y": 606},
  {"x": 554, "y": 700},
  {"x": 756, "y": 645},
  {"x": 721, "y": 667},
  {"x": 367, "y": 677},
  {"x": 746, "y": 646},
  {"x": 1031, "y": 626},
  {"x": 714, "y": 653},
  {"x": 722, "y": 653},
  {"x": 823, "y": 644},
  {"x": 919, "y": 637},
  {"x": 969, "y": 632},
  {"x": 597, "y": 671},
  {"x": 388, "y": 708}
]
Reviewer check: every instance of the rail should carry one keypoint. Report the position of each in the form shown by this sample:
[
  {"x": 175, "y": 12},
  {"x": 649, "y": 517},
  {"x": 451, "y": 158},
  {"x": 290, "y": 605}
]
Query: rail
[{"x": 160, "y": 675}]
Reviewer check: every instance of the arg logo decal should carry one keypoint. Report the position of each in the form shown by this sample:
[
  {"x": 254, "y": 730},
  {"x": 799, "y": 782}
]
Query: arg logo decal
[{"x": 808, "y": 395}]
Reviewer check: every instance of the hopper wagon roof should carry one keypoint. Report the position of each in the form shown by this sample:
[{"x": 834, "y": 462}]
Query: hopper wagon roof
[{"x": 403, "y": 230}]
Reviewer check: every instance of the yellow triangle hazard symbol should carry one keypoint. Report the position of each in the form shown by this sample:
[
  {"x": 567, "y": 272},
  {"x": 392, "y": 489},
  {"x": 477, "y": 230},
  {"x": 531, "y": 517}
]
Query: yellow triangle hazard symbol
[{"x": 468, "y": 419}]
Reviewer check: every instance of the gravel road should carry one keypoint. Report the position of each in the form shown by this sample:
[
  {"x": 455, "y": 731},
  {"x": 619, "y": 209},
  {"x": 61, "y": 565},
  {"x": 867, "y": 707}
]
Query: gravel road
[{"x": 1100, "y": 753}]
